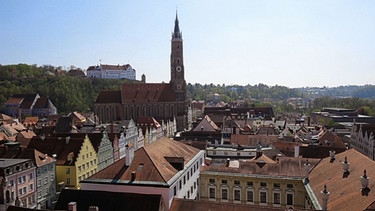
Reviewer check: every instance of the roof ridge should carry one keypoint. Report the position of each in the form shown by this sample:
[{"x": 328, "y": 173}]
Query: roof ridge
[{"x": 152, "y": 161}]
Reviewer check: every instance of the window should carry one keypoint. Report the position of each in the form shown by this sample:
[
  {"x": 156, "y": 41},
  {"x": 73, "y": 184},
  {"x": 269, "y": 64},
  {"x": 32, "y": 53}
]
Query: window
[
  {"x": 212, "y": 192},
  {"x": 39, "y": 183},
  {"x": 289, "y": 185},
  {"x": 79, "y": 168},
  {"x": 180, "y": 184},
  {"x": 276, "y": 185},
  {"x": 19, "y": 180},
  {"x": 20, "y": 191},
  {"x": 24, "y": 190},
  {"x": 174, "y": 190},
  {"x": 31, "y": 187},
  {"x": 212, "y": 180},
  {"x": 30, "y": 176},
  {"x": 289, "y": 198},
  {"x": 237, "y": 182},
  {"x": 67, "y": 171},
  {"x": 276, "y": 197},
  {"x": 263, "y": 197},
  {"x": 11, "y": 182},
  {"x": 39, "y": 194},
  {"x": 184, "y": 179},
  {"x": 263, "y": 184},
  {"x": 68, "y": 181},
  {"x": 249, "y": 183},
  {"x": 224, "y": 194},
  {"x": 23, "y": 178},
  {"x": 250, "y": 196},
  {"x": 237, "y": 194}
]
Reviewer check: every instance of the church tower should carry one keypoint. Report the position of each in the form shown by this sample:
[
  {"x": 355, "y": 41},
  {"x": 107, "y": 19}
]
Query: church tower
[{"x": 177, "y": 82}]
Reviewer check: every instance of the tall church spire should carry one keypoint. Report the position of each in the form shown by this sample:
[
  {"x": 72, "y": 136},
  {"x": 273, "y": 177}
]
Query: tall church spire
[{"x": 176, "y": 33}]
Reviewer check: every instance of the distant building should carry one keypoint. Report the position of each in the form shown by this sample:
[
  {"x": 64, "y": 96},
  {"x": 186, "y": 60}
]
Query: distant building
[
  {"x": 112, "y": 72},
  {"x": 362, "y": 138},
  {"x": 26, "y": 105},
  {"x": 163, "y": 101}
]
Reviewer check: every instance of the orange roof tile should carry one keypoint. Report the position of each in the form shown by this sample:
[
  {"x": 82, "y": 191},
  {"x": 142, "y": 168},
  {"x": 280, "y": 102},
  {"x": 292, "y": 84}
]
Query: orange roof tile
[{"x": 345, "y": 190}]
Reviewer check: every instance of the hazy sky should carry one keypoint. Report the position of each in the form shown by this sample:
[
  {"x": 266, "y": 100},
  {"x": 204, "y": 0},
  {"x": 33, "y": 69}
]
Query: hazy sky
[{"x": 290, "y": 43}]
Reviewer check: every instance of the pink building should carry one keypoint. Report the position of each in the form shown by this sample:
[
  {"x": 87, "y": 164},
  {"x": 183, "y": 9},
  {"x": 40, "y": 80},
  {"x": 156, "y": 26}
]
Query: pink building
[{"x": 18, "y": 182}]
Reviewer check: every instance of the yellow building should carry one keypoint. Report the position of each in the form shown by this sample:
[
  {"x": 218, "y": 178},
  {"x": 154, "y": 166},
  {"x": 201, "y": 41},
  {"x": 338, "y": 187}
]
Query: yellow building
[
  {"x": 76, "y": 158},
  {"x": 259, "y": 181}
]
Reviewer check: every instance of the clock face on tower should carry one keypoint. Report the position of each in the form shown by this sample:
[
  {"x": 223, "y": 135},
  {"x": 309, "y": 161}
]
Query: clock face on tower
[{"x": 178, "y": 68}]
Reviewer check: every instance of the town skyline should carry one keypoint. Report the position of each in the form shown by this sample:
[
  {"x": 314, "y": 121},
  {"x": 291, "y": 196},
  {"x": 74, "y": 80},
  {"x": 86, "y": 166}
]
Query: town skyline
[{"x": 289, "y": 43}]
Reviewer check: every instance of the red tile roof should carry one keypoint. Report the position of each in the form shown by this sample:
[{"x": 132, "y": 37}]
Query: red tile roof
[
  {"x": 147, "y": 92},
  {"x": 345, "y": 190},
  {"x": 109, "y": 97},
  {"x": 152, "y": 158}
]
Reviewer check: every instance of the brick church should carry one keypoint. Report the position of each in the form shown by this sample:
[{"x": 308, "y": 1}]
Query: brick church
[{"x": 163, "y": 101}]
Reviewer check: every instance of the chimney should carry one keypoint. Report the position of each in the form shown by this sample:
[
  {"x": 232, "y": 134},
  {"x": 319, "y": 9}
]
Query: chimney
[
  {"x": 307, "y": 167},
  {"x": 258, "y": 151},
  {"x": 296, "y": 151},
  {"x": 332, "y": 155},
  {"x": 67, "y": 139},
  {"x": 325, "y": 197},
  {"x": 129, "y": 155},
  {"x": 345, "y": 166},
  {"x": 72, "y": 206},
  {"x": 133, "y": 175},
  {"x": 364, "y": 180}
]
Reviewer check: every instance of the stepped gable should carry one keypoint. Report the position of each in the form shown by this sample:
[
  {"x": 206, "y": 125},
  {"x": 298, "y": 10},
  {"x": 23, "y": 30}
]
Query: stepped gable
[
  {"x": 109, "y": 96},
  {"x": 146, "y": 92}
]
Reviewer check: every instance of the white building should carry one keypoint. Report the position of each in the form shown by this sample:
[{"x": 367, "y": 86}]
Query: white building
[
  {"x": 165, "y": 167},
  {"x": 112, "y": 71}
]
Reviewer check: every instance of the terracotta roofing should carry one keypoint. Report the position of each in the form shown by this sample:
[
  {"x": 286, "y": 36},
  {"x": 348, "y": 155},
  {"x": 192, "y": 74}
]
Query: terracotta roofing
[
  {"x": 64, "y": 125},
  {"x": 206, "y": 125},
  {"x": 147, "y": 92},
  {"x": 4, "y": 117},
  {"x": 109, "y": 200},
  {"x": 109, "y": 97},
  {"x": 13, "y": 100},
  {"x": 27, "y": 133},
  {"x": 149, "y": 163},
  {"x": 28, "y": 100},
  {"x": 78, "y": 116},
  {"x": 200, "y": 205},
  {"x": 327, "y": 138},
  {"x": 58, "y": 146},
  {"x": 31, "y": 120},
  {"x": 345, "y": 189},
  {"x": 267, "y": 130}
]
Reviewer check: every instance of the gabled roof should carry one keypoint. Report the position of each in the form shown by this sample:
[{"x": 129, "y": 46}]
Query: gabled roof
[
  {"x": 149, "y": 163},
  {"x": 78, "y": 116},
  {"x": 64, "y": 125},
  {"x": 13, "y": 100},
  {"x": 147, "y": 93},
  {"x": 147, "y": 121},
  {"x": 58, "y": 146},
  {"x": 206, "y": 125},
  {"x": 109, "y": 200},
  {"x": 28, "y": 99},
  {"x": 267, "y": 130},
  {"x": 17, "y": 152},
  {"x": 43, "y": 102},
  {"x": 345, "y": 190}
]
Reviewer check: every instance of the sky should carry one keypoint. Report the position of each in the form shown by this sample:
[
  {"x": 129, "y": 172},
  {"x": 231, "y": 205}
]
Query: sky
[{"x": 293, "y": 43}]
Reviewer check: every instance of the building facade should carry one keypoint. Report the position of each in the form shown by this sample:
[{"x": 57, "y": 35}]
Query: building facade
[
  {"x": 18, "y": 183},
  {"x": 112, "y": 72},
  {"x": 362, "y": 138},
  {"x": 163, "y": 101}
]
